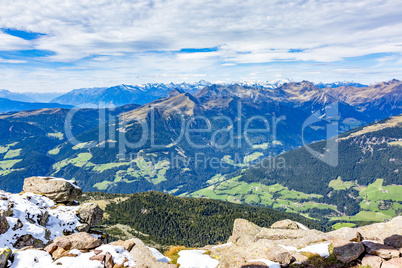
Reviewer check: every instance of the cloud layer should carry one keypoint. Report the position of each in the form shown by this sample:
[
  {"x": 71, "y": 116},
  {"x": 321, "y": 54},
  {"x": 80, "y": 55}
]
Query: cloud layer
[{"x": 106, "y": 42}]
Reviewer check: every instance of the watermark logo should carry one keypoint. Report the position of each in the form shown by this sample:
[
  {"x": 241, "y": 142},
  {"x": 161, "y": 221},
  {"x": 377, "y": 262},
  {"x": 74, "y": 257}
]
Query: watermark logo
[
  {"x": 331, "y": 116},
  {"x": 143, "y": 127}
]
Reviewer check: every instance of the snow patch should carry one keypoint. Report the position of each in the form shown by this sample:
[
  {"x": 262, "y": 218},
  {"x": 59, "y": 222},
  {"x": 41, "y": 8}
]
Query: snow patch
[
  {"x": 270, "y": 264},
  {"x": 159, "y": 256},
  {"x": 196, "y": 259},
  {"x": 320, "y": 249}
]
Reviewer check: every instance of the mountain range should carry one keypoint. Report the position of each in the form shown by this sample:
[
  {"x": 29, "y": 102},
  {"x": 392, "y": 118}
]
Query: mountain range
[{"x": 37, "y": 142}]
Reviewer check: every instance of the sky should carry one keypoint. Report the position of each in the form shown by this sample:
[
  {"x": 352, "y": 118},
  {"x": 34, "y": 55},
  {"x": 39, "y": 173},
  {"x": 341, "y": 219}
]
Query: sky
[{"x": 57, "y": 46}]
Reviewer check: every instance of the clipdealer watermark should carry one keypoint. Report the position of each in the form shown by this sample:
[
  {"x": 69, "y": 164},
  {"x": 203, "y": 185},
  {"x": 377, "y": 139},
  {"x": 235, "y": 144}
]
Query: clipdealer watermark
[{"x": 113, "y": 132}]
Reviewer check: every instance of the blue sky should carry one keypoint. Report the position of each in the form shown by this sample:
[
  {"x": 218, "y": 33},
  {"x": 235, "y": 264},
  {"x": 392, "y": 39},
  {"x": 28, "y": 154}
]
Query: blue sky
[{"x": 56, "y": 45}]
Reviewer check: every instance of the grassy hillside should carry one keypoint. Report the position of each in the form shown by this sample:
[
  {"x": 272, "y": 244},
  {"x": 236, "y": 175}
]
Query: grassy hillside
[{"x": 365, "y": 186}]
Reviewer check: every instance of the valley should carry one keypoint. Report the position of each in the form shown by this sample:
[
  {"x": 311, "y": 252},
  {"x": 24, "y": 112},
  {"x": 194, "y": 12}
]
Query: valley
[{"x": 238, "y": 143}]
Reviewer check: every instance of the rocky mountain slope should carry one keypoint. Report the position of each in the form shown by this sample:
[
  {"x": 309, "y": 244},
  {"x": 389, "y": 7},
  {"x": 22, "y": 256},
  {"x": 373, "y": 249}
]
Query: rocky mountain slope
[{"x": 36, "y": 230}]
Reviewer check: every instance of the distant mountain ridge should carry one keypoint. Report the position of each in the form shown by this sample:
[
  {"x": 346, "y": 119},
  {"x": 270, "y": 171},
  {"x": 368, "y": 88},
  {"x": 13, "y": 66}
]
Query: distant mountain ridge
[
  {"x": 6, "y": 94},
  {"x": 7, "y": 105}
]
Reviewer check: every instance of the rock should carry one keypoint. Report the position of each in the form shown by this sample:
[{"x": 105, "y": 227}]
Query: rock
[
  {"x": 394, "y": 241},
  {"x": 394, "y": 263},
  {"x": 243, "y": 228},
  {"x": 59, "y": 190},
  {"x": 346, "y": 251},
  {"x": 380, "y": 231},
  {"x": 58, "y": 253},
  {"x": 128, "y": 244},
  {"x": 285, "y": 224},
  {"x": 90, "y": 213},
  {"x": 28, "y": 241},
  {"x": 97, "y": 251},
  {"x": 81, "y": 241},
  {"x": 100, "y": 258},
  {"x": 18, "y": 225},
  {"x": 43, "y": 218},
  {"x": 4, "y": 226},
  {"x": 383, "y": 251},
  {"x": 346, "y": 234},
  {"x": 143, "y": 256},
  {"x": 5, "y": 255},
  {"x": 254, "y": 264},
  {"x": 108, "y": 260},
  {"x": 84, "y": 228},
  {"x": 51, "y": 248},
  {"x": 372, "y": 261}
]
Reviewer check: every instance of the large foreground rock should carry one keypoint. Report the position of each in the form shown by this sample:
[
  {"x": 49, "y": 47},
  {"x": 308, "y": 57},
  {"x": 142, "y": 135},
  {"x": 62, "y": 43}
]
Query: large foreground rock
[
  {"x": 81, "y": 241},
  {"x": 90, "y": 213},
  {"x": 59, "y": 190}
]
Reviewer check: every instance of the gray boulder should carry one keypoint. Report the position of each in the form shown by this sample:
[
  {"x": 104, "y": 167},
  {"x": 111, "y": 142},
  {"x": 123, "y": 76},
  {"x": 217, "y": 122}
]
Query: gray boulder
[
  {"x": 347, "y": 251},
  {"x": 4, "y": 226},
  {"x": 383, "y": 251},
  {"x": 394, "y": 241},
  {"x": 90, "y": 213},
  {"x": 28, "y": 240},
  {"x": 5, "y": 255},
  {"x": 59, "y": 190}
]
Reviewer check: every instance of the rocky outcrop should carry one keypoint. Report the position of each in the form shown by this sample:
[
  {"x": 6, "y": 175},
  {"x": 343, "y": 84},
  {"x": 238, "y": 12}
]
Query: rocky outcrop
[
  {"x": 286, "y": 243},
  {"x": 144, "y": 256},
  {"x": 347, "y": 252},
  {"x": 28, "y": 240},
  {"x": 5, "y": 255},
  {"x": 394, "y": 263},
  {"x": 90, "y": 213},
  {"x": 81, "y": 241},
  {"x": 287, "y": 224},
  {"x": 372, "y": 261},
  {"x": 58, "y": 190},
  {"x": 4, "y": 226},
  {"x": 380, "y": 250}
]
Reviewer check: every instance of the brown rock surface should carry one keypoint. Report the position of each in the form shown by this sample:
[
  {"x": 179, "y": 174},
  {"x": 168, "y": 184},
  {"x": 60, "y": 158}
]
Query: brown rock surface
[
  {"x": 372, "y": 261},
  {"x": 80, "y": 241},
  {"x": 394, "y": 263}
]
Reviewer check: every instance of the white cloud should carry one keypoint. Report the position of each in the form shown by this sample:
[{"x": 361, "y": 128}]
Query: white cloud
[{"x": 113, "y": 38}]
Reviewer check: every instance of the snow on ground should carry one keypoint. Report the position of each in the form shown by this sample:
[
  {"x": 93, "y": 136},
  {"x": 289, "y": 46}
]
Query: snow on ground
[
  {"x": 118, "y": 253},
  {"x": 223, "y": 245},
  {"x": 42, "y": 259},
  {"x": 28, "y": 209},
  {"x": 320, "y": 249},
  {"x": 159, "y": 256},
  {"x": 196, "y": 259},
  {"x": 270, "y": 264},
  {"x": 301, "y": 226}
]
